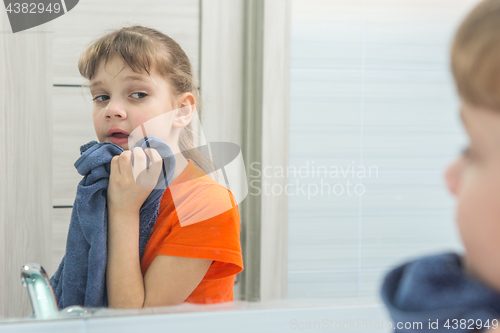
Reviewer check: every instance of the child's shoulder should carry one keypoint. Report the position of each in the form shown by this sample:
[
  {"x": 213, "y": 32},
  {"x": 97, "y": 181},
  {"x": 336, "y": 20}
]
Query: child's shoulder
[
  {"x": 194, "y": 181},
  {"x": 197, "y": 197}
]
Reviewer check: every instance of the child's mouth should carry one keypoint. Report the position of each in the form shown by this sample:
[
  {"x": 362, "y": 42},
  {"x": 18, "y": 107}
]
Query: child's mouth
[
  {"x": 119, "y": 135},
  {"x": 118, "y": 138}
]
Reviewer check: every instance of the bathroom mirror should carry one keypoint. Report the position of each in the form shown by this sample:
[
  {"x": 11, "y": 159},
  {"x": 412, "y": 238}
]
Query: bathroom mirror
[{"x": 344, "y": 110}]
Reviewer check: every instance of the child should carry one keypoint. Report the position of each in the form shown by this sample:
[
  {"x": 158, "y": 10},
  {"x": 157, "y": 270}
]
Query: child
[
  {"x": 449, "y": 292},
  {"x": 140, "y": 76}
]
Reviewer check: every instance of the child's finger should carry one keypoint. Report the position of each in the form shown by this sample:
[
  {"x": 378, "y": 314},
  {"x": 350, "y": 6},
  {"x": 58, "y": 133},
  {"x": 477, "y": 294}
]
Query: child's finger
[
  {"x": 139, "y": 161},
  {"x": 125, "y": 163},
  {"x": 156, "y": 163},
  {"x": 149, "y": 177},
  {"x": 153, "y": 154},
  {"x": 115, "y": 165}
]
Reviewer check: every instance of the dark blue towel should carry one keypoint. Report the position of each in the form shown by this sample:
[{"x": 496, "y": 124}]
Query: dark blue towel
[
  {"x": 436, "y": 288},
  {"x": 81, "y": 276}
]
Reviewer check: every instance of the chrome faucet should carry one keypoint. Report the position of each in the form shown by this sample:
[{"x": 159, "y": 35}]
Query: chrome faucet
[{"x": 42, "y": 297}]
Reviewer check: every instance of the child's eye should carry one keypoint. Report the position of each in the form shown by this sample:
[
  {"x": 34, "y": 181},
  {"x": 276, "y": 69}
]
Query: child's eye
[
  {"x": 141, "y": 94},
  {"x": 99, "y": 100}
]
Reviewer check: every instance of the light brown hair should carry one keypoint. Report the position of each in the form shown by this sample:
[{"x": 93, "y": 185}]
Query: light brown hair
[
  {"x": 145, "y": 49},
  {"x": 475, "y": 56}
]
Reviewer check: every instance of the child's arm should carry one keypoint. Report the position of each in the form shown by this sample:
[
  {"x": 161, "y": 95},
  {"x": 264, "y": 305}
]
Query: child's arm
[
  {"x": 169, "y": 280},
  {"x": 125, "y": 285}
]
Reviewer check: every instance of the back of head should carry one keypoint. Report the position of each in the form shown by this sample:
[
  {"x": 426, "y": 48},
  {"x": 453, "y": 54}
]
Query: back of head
[{"x": 475, "y": 56}]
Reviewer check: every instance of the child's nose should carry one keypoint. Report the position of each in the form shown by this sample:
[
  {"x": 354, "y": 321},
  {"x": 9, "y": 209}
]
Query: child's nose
[
  {"x": 453, "y": 175},
  {"x": 115, "y": 110}
]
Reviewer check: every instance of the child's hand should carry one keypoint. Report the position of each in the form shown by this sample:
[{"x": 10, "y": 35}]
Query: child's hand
[{"x": 130, "y": 186}]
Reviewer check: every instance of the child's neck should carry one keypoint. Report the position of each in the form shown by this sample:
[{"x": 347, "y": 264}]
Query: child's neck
[
  {"x": 180, "y": 164},
  {"x": 488, "y": 278}
]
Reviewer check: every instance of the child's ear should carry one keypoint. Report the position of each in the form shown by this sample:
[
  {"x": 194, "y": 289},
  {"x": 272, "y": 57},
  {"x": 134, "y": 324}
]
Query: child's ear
[{"x": 185, "y": 112}]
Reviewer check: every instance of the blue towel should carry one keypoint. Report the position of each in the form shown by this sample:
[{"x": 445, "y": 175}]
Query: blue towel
[
  {"x": 81, "y": 276},
  {"x": 436, "y": 288}
]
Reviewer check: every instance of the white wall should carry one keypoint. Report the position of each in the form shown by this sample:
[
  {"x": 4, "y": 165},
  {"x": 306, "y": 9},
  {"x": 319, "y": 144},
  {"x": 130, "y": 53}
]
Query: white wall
[
  {"x": 370, "y": 86},
  {"x": 25, "y": 163}
]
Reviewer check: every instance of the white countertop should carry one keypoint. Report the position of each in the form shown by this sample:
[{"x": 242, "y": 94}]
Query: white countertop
[{"x": 354, "y": 314}]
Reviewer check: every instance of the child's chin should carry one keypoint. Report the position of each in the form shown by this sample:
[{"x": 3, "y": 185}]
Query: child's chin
[{"x": 123, "y": 145}]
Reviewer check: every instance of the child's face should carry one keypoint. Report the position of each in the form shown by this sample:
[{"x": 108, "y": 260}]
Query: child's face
[
  {"x": 124, "y": 100},
  {"x": 474, "y": 178}
]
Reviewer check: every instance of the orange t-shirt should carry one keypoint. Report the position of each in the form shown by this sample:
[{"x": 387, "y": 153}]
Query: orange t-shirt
[{"x": 199, "y": 218}]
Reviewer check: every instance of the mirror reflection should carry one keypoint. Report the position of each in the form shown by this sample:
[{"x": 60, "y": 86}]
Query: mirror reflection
[{"x": 303, "y": 185}]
